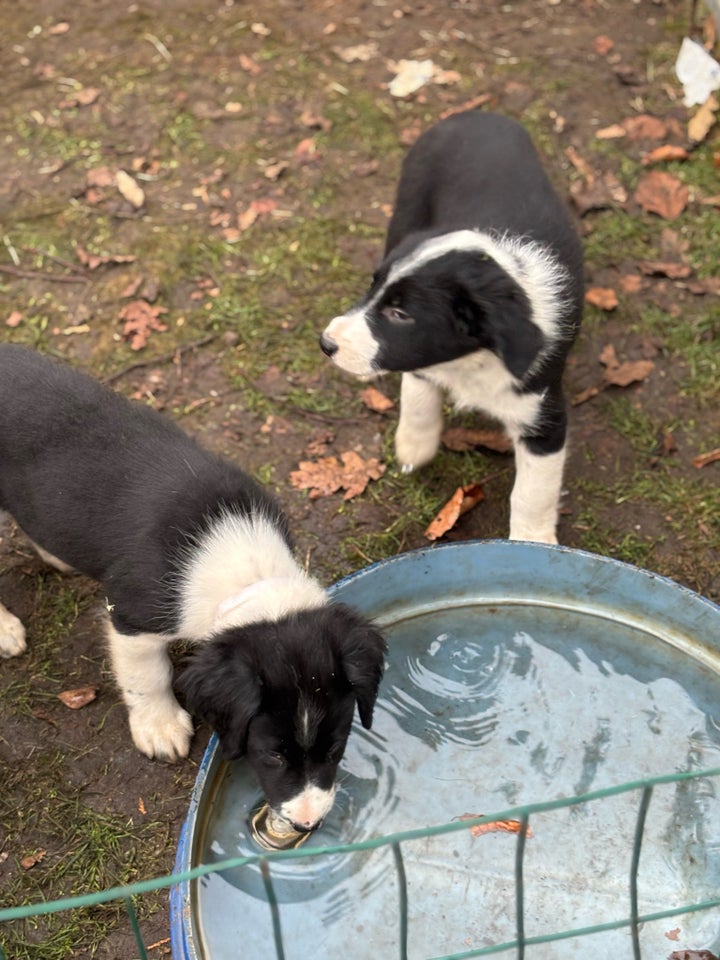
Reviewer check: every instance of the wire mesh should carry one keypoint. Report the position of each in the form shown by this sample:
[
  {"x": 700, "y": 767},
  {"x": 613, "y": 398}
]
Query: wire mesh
[{"x": 523, "y": 814}]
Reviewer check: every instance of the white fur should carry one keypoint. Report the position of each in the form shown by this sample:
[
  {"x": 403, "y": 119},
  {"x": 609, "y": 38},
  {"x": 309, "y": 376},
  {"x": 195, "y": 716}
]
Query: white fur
[
  {"x": 238, "y": 572},
  {"x": 12, "y": 634},
  {"x": 535, "y": 497},
  {"x": 308, "y": 807},
  {"x": 238, "y": 553},
  {"x": 356, "y": 346},
  {"x": 143, "y": 671}
]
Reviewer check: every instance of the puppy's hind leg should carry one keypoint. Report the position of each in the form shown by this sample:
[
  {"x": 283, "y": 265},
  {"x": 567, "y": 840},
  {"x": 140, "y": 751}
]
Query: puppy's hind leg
[
  {"x": 158, "y": 724},
  {"x": 12, "y": 634},
  {"x": 418, "y": 434}
]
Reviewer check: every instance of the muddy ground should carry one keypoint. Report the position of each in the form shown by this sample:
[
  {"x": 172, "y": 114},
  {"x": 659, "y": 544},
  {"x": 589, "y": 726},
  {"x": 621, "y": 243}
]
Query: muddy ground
[{"x": 267, "y": 145}]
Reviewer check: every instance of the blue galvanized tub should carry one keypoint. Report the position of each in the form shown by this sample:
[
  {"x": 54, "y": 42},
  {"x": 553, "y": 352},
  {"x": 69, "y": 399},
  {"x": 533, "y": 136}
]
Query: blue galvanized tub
[{"x": 517, "y": 673}]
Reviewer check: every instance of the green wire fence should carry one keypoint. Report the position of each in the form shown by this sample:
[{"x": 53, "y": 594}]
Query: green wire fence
[{"x": 523, "y": 814}]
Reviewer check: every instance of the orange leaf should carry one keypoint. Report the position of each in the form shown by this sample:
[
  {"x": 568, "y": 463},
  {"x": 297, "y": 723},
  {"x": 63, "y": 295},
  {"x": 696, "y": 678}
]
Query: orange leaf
[
  {"x": 603, "y": 297},
  {"x": 140, "y": 319},
  {"x": 629, "y": 372},
  {"x": 376, "y": 400},
  {"x": 461, "y": 439},
  {"x": 662, "y": 193},
  {"x": 665, "y": 153},
  {"x": 462, "y": 500},
  {"x": 603, "y": 45},
  {"x": 80, "y": 697},
  {"x": 494, "y": 826},
  {"x": 705, "y": 458},
  {"x": 324, "y": 477},
  {"x": 32, "y": 858},
  {"x": 644, "y": 127}
]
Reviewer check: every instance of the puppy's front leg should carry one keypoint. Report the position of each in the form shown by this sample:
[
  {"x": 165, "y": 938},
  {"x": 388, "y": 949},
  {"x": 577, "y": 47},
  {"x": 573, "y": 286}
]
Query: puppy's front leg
[
  {"x": 418, "y": 434},
  {"x": 535, "y": 497},
  {"x": 159, "y": 726},
  {"x": 12, "y": 634}
]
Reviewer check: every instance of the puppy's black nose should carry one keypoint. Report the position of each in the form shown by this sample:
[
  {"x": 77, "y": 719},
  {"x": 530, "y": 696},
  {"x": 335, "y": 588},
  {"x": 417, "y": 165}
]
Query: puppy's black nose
[
  {"x": 307, "y": 827},
  {"x": 327, "y": 345}
]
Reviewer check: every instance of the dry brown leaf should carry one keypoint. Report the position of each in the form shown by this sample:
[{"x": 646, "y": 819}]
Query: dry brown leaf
[
  {"x": 319, "y": 443},
  {"x": 603, "y": 45},
  {"x": 662, "y": 193},
  {"x": 673, "y": 934},
  {"x": 604, "y": 298},
  {"x": 14, "y": 319},
  {"x": 462, "y": 439},
  {"x": 462, "y": 500},
  {"x": 631, "y": 371},
  {"x": 306, "y": 151},
  {"x": 631, "y": 283},
  {"x": 644, "y": 127},
  {"x": 360, "y": 53},
  {"x": 315, "y": 121},
  {"x": 129, "y": 189},
  {"x": 614, "y": 132},
  {"x": 705, "y": 458},
  {"x": 249, "y": 65},
  {"x": 32, "y": 858},
  {"x": 141, "y": 318},
  {"x": 100, "y": 177},
  {"x": 256, "y": 209},
  {"x": 584, "y": 395},
  {"x": 141, "y": 806},
  {"x": 79, "y": 697},
  {"x": 494, "y": 826},
  {"x": 273, "y": 171},
  {"x": 580, "y": 164},
  {"x": 94, "y": 260},
  {"x": 598, "y": 193},
  {"x": 702, "y": 122},
  {"x": 375, "y": 400},
  {"x": 324, "y": 477},
  {"x": 661, "y": 268},
  {"x": 665, "y": 153}
]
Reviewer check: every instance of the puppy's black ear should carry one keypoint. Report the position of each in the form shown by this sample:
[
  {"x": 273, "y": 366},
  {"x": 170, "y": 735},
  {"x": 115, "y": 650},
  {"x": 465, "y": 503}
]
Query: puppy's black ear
[
  {"x": 221, "y": 687},
  {"x": 362, "y": 654},
  {"x": 492, "y": 307}
]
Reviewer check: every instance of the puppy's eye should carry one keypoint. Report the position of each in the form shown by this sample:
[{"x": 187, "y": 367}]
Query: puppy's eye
[
  {"x": 396, "y": 315},
  {"x": 273, "y": 759}
]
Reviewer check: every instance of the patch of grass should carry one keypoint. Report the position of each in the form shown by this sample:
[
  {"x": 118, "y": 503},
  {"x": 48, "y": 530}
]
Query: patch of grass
[
  {"x": 617, "y": 235},
  {"x": 80, "y": 850},
  {"x": 693, "y": 339},
  {"x": 639, "y": 428},
  {"x": 603, "y": 540}
]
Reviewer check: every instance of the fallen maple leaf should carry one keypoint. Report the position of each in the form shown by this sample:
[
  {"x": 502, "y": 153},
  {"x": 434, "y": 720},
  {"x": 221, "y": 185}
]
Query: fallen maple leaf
[
  {"x": 375, "y": 400},
  {"x": 80, "y": 697},
  {"x": 662, "y": 193},
  {"x": 141, "y": 318},
  {"x": 324, "y": 477},
  {"x": 462, "y": 439},
  {"x": 462, "y": 500},
  {"x": 494, "y": 826},
  {"x": 603, "y": 297},
  {"x": 705, "y": 458}
]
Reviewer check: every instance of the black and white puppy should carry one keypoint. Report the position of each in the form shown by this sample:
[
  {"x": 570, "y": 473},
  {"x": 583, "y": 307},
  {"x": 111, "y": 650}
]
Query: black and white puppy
[
  {"x": 187, "y": 546},
  {"x": 479, "y": 295}
]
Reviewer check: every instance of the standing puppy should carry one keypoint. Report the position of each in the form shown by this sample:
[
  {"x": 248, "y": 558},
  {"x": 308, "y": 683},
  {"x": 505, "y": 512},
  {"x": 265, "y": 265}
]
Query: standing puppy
[
  {"x": 479, "y": 295},
  {"x": 187, "y": 546}
]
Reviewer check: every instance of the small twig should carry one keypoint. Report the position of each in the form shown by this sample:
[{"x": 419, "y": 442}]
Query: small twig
[
  {"x": 75, "y": 267},
  {"x": 163, "y": 358},
  {"x": 39, "y": 275}
]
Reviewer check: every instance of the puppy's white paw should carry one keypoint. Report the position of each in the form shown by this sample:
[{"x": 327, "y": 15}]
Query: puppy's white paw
[
  {"x": 12, "y": 635},
  {"x": 161, "y": 731},
  {"x": 414, "y": 449}
]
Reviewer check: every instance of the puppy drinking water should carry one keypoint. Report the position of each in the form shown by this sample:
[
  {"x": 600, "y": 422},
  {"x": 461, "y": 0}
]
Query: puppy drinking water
[{"x": 186, "y": 546}]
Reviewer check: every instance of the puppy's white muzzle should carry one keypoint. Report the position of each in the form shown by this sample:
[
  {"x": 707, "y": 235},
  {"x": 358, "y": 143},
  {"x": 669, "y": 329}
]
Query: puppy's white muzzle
[{"x": 349, "y": 343}]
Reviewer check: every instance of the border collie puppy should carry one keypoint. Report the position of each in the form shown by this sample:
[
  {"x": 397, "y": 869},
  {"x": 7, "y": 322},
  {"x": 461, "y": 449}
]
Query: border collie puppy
[
  {"x": 187, "y": 546},
  {"x": 479, "y": 296}
]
